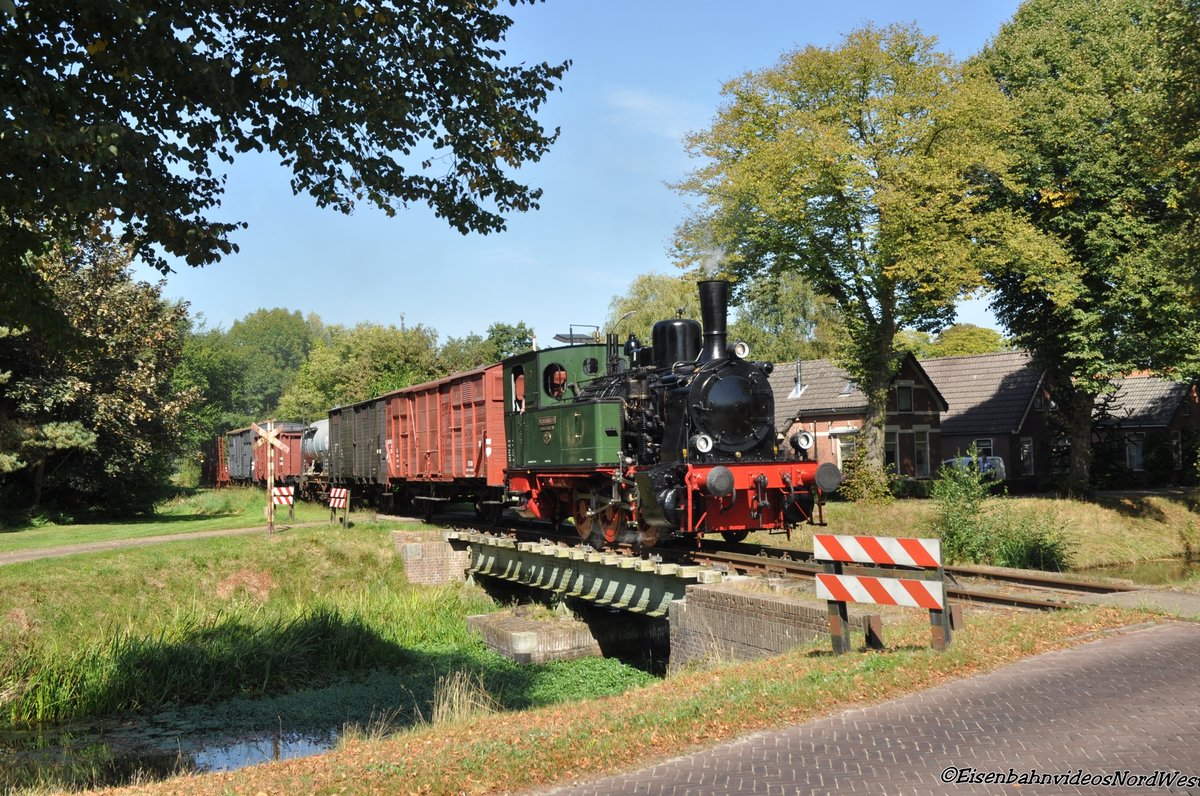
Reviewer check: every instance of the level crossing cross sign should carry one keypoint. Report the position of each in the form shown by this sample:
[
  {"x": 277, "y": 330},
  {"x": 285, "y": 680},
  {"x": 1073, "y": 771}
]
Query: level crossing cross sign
[{"x": 270, "y": 437}]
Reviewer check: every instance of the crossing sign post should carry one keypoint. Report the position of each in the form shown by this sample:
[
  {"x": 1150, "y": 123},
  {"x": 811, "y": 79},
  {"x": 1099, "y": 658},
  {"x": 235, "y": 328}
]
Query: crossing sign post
[{"x": 270, "y": 438}]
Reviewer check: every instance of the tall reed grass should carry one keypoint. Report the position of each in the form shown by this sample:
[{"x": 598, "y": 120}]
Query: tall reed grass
[{"x": 243, "y": 650}]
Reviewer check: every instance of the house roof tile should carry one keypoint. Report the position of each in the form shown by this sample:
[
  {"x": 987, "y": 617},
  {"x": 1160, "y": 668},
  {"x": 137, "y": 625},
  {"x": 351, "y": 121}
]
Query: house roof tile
[
  {"x": 1146, "y": 401},
  {"x": 827, "y": 390},
  {"x": 985, "y": 392}
]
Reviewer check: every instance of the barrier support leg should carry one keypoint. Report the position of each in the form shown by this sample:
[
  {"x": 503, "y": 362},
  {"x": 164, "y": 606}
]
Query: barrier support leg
[
  {"x": 874, "y": 632},
  {"x": 939, "y": 626},
  {"x": 839, "y": 617}
]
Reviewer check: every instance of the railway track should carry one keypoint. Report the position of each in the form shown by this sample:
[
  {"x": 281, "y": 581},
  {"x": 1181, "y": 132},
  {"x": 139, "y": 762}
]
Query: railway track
[{"x": 1041, "y": 591}]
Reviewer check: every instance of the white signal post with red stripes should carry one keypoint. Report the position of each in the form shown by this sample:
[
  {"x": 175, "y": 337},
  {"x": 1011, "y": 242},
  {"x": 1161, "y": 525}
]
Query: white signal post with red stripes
[
  {"x": 840, "y": 589},
  {"x": 270, "y": 438},
  {"x": 339, "y": 498}
]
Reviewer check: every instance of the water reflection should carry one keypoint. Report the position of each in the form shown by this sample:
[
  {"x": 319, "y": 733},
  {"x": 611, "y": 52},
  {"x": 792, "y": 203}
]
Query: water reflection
[
  {"x": 1159, "y": 572},
  {"x": 90, "y": 756},
  {"x": 239, "y": 754}
]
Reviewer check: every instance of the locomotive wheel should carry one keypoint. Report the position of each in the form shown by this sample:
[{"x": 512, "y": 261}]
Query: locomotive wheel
[
  {"x": 583, "y": 523},
  {"x": 735, "y": 536},
  {"x": 613, "y": 521},
  {"x": 647, "y": 534}
]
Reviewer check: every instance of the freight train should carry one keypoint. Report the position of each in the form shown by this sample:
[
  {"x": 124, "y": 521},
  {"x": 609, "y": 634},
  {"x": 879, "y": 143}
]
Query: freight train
[{"x": 624, "y": 442}]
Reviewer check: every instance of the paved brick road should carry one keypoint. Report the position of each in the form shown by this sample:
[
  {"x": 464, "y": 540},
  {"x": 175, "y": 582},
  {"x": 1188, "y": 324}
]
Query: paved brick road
[{"x": 1127, "y": 701}]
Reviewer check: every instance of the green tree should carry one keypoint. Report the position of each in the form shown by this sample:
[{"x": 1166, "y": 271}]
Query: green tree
[
  {"x": 966, "y": 339},
  {"x": 652, "y": 298},
  {"x": 466, "y": 353},
  {"x": 211, "y": 368},
  {"x": 272, "y": 344},
  {"x": 124, "y": 108},
  {"x": 1087, "y": 80},
  {"x": 865, "y": 168},
  {"x": 918, "y": 343},
  {"x": 360, "y": 363},
  {"x": 783, "y": 319},
  {"x": 92, "y": 416}
]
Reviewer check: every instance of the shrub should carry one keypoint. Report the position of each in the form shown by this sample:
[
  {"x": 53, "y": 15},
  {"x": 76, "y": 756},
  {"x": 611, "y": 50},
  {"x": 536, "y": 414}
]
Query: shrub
[
  {"x": 960, "y": 524},
  {"x": 1158, "y": 459},
  {"x": 864, "y": 481},
  {"x": 974, "y": 532}
]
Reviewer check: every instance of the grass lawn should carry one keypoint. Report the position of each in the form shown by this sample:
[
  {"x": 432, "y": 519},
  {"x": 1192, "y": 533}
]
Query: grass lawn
[{"x": 236, "y": 507}]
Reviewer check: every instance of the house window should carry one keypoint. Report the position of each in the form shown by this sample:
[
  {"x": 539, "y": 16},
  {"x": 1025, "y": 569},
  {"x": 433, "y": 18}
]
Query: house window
[
  {"x": 921, "y": 453},
  {"x": 1026, "y": 455},
  {"x": 891, "y": 450},
  {"x": 984, "y": 446},
  {"x": 846, "y": 446},
  {"x": 1134, "y": 445},
  {"x": 1177, "y": 449},
  {"x": 904, "y": 399},
  {"x": 1039, "y": 403}
]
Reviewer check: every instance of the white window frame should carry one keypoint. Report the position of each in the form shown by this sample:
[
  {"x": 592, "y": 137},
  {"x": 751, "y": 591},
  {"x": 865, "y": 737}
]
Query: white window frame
[
  {"x": 1135, "y": 452},
  {"x": 921, "y": 446}
]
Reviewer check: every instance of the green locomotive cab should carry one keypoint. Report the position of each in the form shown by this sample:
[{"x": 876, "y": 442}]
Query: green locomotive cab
[
  {"x": 546, "y": 427},
  {"x": 564, "y": 453}
]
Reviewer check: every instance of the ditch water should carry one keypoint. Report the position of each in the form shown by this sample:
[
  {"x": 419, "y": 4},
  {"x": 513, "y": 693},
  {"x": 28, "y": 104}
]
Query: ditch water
[
  {"x": 113, "y": 754},
  {"x": 202, "y": 738},
  {"x": 1159, "y": 572}
]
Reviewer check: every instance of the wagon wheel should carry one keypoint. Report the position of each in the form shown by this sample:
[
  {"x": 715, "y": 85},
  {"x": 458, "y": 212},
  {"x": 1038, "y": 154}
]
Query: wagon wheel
[
  {"x": 428, "y": 510},
  {"x": 583, "y": 523},
  {"x": 735, "y": 536}
]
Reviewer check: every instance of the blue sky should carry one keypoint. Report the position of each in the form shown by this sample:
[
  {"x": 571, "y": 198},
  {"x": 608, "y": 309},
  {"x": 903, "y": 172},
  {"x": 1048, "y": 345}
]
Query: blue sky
[{"x": 644, "y": 74}]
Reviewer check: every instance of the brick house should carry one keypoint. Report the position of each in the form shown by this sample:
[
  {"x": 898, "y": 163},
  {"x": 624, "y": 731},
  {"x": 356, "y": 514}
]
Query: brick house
[
  {"x": 819, "y": 397},
  {"x": 1143, "y": 413},
  {"x": 998, "y": 403}
]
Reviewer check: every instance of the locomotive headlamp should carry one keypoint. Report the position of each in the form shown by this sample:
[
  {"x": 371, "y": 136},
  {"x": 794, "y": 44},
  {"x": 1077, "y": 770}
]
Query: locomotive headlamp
[
  {"x": 702, "y": 443},
  {"x": 802, "y": 440},
  {"x": 741, "y": 349}
]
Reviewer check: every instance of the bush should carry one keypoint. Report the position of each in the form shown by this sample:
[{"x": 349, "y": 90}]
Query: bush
[
  {"x": 973, "y": 532},
  {"x": 960, "y": 524},
  {"x": 1158, "y": 459},
  {"x": 864, "y": 481}
]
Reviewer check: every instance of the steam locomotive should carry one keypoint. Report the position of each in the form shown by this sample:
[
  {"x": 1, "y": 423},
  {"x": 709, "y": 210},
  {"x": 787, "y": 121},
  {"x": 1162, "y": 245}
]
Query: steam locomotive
[{"x": 627, "y": 443}]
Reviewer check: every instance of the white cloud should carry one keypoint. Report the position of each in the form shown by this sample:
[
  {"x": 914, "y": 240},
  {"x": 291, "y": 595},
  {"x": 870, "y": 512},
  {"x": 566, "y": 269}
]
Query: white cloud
[{"x": 661, "y": 115}]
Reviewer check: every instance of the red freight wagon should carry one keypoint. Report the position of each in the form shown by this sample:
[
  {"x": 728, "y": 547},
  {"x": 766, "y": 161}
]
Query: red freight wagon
[
  {"x": 445, "y": 440},
  {"x": 289, "y": 465}
]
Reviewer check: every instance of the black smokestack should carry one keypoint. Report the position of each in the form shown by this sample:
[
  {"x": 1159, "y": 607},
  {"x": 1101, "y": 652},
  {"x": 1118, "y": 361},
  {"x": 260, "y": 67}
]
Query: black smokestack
[{"x": 714, "y": 304}]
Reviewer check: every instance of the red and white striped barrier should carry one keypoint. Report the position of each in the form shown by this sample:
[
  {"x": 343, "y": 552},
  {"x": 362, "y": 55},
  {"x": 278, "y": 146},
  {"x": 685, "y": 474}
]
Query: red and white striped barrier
[
  {"x": 885, "y": 550},
  {"x": 283, "y": 495},
  {"x": 839, "y": 589},
  {"x": 339, "y": 497},
  {"x": 882, "y": 591}
]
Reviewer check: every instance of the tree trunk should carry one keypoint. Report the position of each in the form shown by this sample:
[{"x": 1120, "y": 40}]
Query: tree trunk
[
  {"x": 39, "y": 477},
  {"x": 1078, "y": 410}
]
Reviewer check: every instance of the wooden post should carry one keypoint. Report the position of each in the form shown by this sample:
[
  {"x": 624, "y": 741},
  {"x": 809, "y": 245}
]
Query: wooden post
[
  {"x": 839, "y": 616},
  {"x": 270, "y": 438},
  {"x": 270, "y": 478}
]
